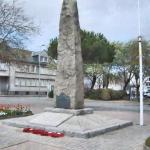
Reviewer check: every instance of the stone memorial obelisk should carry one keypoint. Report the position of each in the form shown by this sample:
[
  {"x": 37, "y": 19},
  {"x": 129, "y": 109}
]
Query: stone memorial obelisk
[{"x": 69, "y": 86}]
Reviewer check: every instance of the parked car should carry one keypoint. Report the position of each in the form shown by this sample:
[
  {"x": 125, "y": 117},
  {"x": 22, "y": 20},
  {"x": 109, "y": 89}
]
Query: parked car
[{"x": 147, "y": 94}]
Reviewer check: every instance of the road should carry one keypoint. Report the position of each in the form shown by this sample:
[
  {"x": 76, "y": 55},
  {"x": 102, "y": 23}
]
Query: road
[{"x": 119, "y": 109}]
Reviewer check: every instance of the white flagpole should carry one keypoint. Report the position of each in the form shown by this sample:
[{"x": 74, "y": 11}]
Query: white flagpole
[{"x": 140, "y": 66}]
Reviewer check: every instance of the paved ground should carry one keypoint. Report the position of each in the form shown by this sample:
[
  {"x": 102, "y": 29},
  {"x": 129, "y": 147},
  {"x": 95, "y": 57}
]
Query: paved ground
[
  {"x": 118, "y": 109},
  {"x": 39, "y": 103},
  {"x": 131, "y": 138}
]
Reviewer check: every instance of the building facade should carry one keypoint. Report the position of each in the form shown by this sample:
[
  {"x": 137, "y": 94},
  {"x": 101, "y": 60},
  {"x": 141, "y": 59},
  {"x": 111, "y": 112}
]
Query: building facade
[
  {"x": 28, "y": 76},
  {"x": 147, "y": 87}
]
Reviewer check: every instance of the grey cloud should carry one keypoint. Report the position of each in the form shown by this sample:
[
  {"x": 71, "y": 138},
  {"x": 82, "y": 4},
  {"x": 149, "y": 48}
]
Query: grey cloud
[{"x": 116, "y": 19}]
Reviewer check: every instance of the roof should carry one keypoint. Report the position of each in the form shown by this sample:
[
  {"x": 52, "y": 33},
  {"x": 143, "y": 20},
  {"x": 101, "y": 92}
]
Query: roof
[
  {"x": 41, "y": 53},
  {"x": 19, "y": 55}
]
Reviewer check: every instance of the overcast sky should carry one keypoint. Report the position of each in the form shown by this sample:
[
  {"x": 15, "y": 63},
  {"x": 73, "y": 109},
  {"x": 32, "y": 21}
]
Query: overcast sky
[{"x": 116, "y": 19}]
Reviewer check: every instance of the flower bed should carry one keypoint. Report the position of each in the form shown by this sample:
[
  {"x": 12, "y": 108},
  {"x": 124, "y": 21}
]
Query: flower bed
[{"x": 11, "y": 111}]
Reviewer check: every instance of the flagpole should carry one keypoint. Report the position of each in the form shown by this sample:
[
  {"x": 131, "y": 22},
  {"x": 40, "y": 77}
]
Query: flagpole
[{"x": 140, "y": 65}]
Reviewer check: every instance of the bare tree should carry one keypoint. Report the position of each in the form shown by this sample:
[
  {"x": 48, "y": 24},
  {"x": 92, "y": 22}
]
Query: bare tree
[
  {"x": 93, "y": 72},
  {"x": 15, "y": 27}
]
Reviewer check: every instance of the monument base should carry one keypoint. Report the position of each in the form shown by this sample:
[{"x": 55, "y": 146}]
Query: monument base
[
  {"x": 82, "y": 126},
  {"x": 75, "y": 112}
]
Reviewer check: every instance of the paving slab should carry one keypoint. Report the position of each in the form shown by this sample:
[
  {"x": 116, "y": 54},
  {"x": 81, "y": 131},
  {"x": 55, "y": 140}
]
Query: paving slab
[
  {"x": 50, "y": 119},
  {"x": 33, "y": 145},
  {"x": 8, "y": 142},
  {"x": 83, "y": 126},
  {"x": 8, "y": 137}
]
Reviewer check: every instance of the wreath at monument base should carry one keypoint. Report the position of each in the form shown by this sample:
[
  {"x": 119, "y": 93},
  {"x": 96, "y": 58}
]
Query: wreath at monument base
[{"x": 43, "y": 132}]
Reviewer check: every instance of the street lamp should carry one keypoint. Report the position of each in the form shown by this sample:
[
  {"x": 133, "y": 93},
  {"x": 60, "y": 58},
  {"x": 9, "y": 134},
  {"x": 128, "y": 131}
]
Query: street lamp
[
  {"x": 39, "y": 55},
  {"x": 39, "y": 73},
  {"x": 140, "y": 66}
]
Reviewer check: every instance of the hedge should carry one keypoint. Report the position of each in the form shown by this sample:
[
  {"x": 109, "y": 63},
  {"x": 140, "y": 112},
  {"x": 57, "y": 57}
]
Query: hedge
[{"x": 105, "y": 94}]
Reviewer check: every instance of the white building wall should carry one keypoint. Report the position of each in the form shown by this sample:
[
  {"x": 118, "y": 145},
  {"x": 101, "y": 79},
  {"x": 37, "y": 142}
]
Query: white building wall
[{"x": 25, "y": 78}]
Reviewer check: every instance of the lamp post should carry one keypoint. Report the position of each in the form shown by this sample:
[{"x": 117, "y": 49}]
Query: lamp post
[
  {"x": 39, "y": 59},
  {"x": 39, "y": 73},
  {"x": 140, "y": 66}
]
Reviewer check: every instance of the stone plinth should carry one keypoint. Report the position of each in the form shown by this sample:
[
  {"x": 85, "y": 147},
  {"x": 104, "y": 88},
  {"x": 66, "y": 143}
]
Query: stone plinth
[
  {"x": 75, "y": 112},
  {"x": 82, "y": 126},
  {"x": 69, "y": 86}
]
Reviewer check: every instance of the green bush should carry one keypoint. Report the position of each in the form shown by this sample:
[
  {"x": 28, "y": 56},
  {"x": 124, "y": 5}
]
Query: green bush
[
  {"x": 93, "y": 94},
  {"x": 51, "y": 94},
  {"x": 116, "y": 95},
  {"x": 105, "y": 94},
  {"x": 147, "y": 143}
]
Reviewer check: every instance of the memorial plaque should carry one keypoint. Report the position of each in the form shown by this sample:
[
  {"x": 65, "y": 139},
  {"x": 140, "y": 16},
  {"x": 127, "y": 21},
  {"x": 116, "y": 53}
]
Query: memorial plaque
[{"x": 63, "y": 101}]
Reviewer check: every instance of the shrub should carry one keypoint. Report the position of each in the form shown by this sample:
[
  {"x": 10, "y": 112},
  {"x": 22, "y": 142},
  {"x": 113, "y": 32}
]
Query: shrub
[
  {"x": 105, "y": 94},
  {"x": 115, "y": 95},
  {"x": 94, "y": 94},
  {"x": 148, "y": 142},
  {"x": 51, "y": 94}
]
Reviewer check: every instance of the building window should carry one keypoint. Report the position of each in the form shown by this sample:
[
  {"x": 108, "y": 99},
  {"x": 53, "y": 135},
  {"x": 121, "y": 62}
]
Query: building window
[
  {"x": 27, "y": 68},
  {"x": 52, "y": 87},
  {"x": 36, "y": 82},
  {"x": 41, "y": 82},
  {"x": 22, "y": 82},
  {"x": 27, "y": 82},
  {"x": 16, "y": 92},
  {"x": 32, "y": 68},
  {"x": 27, "y": 93},
  {"x": 45, "y": 83},
  {"x": 33, "y": 82},
  {"x": 147, "y": 84},
  {"x": 41, "y": 58},
  {"x": 3, "y": 67},
  {"x": 45, "y": 59},
  {"x": 17, "y": 82}
]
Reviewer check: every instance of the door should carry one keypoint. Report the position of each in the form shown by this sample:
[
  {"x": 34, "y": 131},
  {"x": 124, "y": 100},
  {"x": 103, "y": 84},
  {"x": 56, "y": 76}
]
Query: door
[{"x": 4, "y": 85}]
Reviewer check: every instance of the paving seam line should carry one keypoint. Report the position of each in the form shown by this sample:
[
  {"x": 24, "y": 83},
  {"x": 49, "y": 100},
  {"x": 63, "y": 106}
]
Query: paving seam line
[
  {"x": 15, "y": 144},
  {"x": 65, "y": 120}
]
